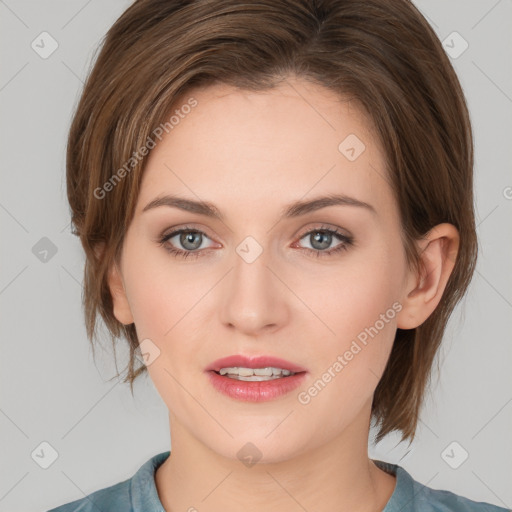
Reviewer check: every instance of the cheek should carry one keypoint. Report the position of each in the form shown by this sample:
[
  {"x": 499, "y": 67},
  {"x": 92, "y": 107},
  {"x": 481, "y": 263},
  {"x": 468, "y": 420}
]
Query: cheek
[
  {"x": 154, "y": 307},
  {"x": 162, "y": 299},
  {"x": 167, "y": 303},
  {"x": 356, "y": 292},
  {"x": 160, "y": 293},
  {"x": 358, "y": 306}
]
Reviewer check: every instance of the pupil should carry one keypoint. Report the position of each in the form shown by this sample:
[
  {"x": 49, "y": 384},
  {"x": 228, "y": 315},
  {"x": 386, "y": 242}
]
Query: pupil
[
  {"x": 188, "y": 238},
  {"x": 319, "y": 236}
]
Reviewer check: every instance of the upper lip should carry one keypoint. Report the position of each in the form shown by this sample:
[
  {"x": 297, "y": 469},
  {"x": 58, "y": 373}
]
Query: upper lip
[{"x": 239, "y": 360}]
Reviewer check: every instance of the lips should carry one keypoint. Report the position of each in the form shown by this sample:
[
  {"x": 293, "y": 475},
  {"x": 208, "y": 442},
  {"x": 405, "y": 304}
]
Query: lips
[{"x": 239, "y": 360}]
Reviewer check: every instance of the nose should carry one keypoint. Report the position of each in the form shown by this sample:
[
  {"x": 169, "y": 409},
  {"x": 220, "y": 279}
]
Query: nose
[{"x": 253, "y": 298}]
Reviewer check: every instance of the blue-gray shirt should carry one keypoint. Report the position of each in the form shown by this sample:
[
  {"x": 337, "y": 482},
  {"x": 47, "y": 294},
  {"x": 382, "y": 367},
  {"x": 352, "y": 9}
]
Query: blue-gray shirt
[{"x": 139, "y": 494}]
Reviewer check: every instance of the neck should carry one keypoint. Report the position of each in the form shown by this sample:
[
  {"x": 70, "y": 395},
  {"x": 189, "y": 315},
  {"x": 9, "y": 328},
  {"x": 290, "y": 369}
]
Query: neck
[{"x": 335, "y": 475}]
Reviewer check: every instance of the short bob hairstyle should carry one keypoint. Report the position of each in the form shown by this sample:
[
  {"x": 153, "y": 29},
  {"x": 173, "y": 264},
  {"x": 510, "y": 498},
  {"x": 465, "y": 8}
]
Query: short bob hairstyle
[{"x": 382, "y": 54}]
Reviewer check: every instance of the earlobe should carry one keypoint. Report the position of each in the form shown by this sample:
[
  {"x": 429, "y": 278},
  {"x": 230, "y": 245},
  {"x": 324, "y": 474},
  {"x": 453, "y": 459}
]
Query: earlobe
[{"x": 438, "y": 252}]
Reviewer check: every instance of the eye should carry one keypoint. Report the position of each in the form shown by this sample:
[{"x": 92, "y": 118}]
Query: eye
[
  {"x": 321, "y": 238},
  {"x": 192, "y": 239},
  {"x": 189, "y": 238}
]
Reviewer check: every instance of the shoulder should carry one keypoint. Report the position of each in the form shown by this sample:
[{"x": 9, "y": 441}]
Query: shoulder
[
  {"x": 413, "y": 496},
  {"x": 436, "y": 500},
  {"x": 126, "y": 496},
  {"x": 115, "y": 497}
]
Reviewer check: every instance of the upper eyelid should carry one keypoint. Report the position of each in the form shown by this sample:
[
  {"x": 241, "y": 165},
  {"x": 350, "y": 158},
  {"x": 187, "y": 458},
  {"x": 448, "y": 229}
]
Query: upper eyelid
[
  {"x": 176, "y": 231},
  {"x": 336, "y": 230}
]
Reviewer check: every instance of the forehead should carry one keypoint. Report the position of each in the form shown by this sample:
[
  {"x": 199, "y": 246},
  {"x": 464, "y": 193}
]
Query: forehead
[{"x": 287, "y": 143}]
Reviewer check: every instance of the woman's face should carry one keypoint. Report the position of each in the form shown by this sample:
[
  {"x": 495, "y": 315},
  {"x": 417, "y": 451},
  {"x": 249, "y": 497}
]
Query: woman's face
[{"x": 259, "y": 281}]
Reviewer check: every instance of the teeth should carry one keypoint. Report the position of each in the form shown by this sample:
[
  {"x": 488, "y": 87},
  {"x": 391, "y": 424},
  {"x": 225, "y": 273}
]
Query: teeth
[
  {"x": 263, "y": 371},
  {"x": 255, "y": 374}
]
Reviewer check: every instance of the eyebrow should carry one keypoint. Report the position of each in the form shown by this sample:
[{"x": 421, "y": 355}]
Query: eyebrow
[{"x": 292, "y": 210}]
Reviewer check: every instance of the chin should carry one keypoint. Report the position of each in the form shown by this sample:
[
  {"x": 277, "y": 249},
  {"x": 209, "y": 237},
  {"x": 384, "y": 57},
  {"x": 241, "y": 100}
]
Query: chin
[{"x": 257, "y": 447}]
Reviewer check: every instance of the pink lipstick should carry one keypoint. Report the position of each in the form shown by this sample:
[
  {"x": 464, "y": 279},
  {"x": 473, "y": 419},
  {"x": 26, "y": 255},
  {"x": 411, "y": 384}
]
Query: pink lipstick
[{"x": 255, "y": 379}]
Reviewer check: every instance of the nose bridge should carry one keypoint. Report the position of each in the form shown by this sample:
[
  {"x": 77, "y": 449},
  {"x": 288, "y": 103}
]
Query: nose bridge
[{"x": 253, "y": 297}]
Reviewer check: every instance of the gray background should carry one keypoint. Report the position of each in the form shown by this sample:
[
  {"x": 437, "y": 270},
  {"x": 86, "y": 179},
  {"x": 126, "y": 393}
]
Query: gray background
[{"x": 51, "y": 390}]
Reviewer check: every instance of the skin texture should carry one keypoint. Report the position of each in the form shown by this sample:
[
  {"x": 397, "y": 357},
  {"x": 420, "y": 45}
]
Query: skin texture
[{"x": 251, "y": 154}]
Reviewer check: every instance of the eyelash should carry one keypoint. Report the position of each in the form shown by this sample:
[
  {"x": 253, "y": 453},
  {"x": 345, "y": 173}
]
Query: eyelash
[{"x": 178, "y": 253}]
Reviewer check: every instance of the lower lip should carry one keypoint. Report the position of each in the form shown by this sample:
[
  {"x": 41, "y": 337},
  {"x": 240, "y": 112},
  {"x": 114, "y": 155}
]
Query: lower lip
[{"x": 258, "y": 391}]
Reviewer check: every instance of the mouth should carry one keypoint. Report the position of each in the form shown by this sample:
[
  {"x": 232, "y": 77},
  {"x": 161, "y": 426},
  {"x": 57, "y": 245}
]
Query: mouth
[{"x": 255, "y": 379}]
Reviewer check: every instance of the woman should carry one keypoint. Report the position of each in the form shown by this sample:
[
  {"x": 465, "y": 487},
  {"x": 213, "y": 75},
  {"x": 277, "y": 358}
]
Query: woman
[{"x": 275, "y": 201}]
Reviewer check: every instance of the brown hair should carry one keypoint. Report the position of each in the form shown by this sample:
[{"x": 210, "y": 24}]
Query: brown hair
[{"x": 382, "y": 53}]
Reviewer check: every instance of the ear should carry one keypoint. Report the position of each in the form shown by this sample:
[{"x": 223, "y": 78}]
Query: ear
[
  {"x": 422, "y": 293},
  {"x": 122, "y": 310}
]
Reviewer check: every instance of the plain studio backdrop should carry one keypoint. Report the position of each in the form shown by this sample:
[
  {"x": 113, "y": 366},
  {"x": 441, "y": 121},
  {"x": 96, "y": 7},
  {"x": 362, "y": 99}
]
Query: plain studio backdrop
[{"x": 54, "y": 397}]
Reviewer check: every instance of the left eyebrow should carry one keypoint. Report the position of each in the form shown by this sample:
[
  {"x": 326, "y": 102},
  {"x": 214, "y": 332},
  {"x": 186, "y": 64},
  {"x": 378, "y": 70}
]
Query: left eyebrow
[
  {"x": 292, "y": 210},
  {"x": 302, "y": 207}
]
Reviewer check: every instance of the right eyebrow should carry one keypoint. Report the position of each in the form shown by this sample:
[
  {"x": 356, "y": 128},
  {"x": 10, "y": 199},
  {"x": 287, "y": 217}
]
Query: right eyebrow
[{"x": 188, "y": 205}]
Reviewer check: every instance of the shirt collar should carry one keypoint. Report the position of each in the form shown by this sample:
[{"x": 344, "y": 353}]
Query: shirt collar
[
  {"x": 144, "y": 494},
  {"x": 403, "y": 495}
]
